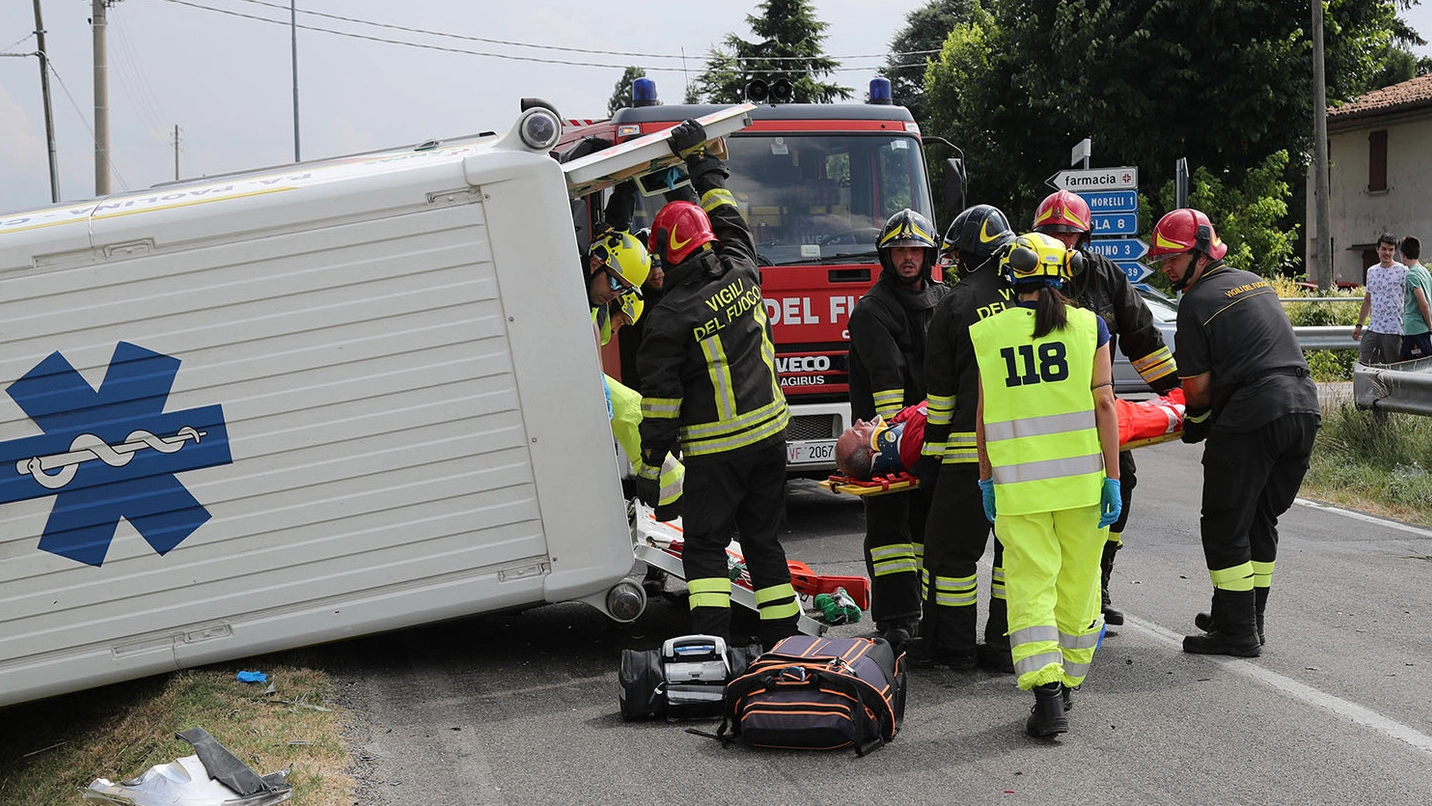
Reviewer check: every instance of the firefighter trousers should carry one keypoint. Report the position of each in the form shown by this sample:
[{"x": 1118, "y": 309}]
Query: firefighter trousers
[
  {"x": 1249, "y": 480},
  {"x": 956, "y": 535},
  {"x": 1051, "y": 563},
  {"x": 894, "y": 543},
  {"x": 742, "y": 492}
]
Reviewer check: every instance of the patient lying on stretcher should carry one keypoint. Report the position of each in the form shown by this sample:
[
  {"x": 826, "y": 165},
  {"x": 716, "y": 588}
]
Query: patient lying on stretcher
[{"x": 870, "y": 449}]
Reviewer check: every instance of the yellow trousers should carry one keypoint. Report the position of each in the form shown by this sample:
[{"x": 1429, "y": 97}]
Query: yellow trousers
[{"x": 1051, "y": 569}]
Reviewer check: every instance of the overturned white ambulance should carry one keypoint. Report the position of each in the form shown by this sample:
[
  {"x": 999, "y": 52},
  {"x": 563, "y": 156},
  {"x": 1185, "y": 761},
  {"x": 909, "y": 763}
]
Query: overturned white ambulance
[{"x": 291, "y": 406}]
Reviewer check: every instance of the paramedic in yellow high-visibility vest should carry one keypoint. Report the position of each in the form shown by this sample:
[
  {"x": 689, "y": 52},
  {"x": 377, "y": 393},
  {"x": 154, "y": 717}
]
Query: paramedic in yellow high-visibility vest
[
  {"x": 1047, "y": 435},
  {"x": 621, "y": 265}
]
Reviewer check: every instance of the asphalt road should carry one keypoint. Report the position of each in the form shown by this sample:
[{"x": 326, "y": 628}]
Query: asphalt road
[{"x": 522, "y": 708}]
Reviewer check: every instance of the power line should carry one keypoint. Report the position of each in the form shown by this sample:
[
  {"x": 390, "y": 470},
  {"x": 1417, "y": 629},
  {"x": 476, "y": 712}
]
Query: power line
[
  {"x": 534, "y": 59},
  {"x": 84, "y": 119},
  {"x": 513, "y": 43}
]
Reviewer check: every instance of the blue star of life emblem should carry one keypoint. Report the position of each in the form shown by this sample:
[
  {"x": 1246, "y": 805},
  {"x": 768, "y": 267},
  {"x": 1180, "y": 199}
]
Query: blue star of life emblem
[{"x": 110, "y": 454}]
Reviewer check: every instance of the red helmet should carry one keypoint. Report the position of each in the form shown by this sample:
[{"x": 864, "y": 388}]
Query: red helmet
[
  {"x": 679, "y": 230},
  {"x": 1182, "y": 230},
  {"x": 1063, "y": 211}
]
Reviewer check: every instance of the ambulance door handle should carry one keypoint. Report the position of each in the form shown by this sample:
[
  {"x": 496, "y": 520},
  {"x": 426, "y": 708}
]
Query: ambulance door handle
[{"x": 848, "y": 275}]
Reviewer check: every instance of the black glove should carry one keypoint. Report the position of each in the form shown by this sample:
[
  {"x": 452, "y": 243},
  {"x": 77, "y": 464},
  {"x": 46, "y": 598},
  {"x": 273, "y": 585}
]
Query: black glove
[
  {"x": 926, "y": 469},
  {"x": 621, "y": 205},
  {"x": 668, "y": 512},
  {"x": 1196, "y": 425},
  {"x": 1166, "y": 384},
  {"x": 688, "y": 140},
  {"x": 648, "y": 491}
]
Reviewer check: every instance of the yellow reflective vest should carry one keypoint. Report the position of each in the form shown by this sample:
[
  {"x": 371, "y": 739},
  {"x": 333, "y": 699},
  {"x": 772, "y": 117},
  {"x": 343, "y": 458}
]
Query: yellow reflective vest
[{"x": 1040, "y": 432}]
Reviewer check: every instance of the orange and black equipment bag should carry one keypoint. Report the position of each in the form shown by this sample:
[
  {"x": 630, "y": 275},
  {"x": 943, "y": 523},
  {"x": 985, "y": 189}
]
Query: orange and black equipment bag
[{"x": 818, "y": 694}]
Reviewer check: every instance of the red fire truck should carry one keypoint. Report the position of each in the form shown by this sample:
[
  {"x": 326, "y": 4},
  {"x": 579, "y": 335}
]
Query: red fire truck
[{"x": 816, "y": 183}]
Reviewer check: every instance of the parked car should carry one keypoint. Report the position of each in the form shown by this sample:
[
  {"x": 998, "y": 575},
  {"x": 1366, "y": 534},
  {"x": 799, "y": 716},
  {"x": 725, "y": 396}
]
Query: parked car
[{"x": 1165, "y": 312}]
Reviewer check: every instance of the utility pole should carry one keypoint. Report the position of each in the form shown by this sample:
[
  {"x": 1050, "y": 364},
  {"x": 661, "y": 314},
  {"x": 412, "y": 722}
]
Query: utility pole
[
  {"x": 293, "y": 29},
  {"x": 49, "y": 114},
  {"x": 1320, "y": 156},
  {"x": 101, "y": 98},
  {"x": 176, "y": 152}
]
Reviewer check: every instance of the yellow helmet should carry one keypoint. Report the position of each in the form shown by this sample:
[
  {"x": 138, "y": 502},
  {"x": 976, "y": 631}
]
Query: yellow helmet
[
  {"x": 629, "y": 306},
  {"x": 624, "y": 259},
  {"x": 1036, "y": 258}
]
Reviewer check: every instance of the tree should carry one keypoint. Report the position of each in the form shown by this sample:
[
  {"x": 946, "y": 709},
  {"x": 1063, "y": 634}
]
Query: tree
[
  {"x": 789, "y": 47},
  {"x": 1224, "y": 84},
  {"x": 621, "y": 95},
  {"x": 1250, "y": 217},
  {"x": 926, "y": 29}
]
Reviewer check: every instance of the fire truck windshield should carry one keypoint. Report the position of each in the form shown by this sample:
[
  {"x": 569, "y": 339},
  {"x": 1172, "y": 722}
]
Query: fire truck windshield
[{"x": 822, "y": 197}]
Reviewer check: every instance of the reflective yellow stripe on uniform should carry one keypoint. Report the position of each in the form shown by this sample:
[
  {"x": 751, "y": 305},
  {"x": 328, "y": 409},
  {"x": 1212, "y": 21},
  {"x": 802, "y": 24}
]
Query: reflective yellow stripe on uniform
[
  {"x": 777, "y": 602},
  {"x": 715, "y": 197},
  {"x": 932, "y": 449},
  {"x": 673, "y": 476},
  {"x": 894, "y": 558},
  {"x": 960, "y": 448},
  {"x": 1078, "y": 651},
  {"x": 956, "y": 591},
  {"x": 709, "y": 592},
  {"x": 940, "y": 409},
  {"x": 1036, "y": 653},
  {"x": 888, "y": 402},
  {"x": 996, "y": 583},
  {"x": 1237, "y": 578},
  {"x": 720, "y": 373},
  {"x": 663, "y": 408},
  {"x": 1262, "y": 575},
  {"x": 719, "y": 444},
  {"x": 1157, "y": 364}
]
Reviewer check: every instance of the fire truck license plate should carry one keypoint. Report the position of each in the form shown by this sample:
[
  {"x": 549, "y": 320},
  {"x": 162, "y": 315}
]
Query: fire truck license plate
[{"x": 816, "y": 450}]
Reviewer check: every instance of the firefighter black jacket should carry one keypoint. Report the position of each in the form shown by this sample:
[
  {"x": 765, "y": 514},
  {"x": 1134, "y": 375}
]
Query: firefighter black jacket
[
  {"x": 1102, "y": 287},
  {"x": 887, "y": 346},
  {"x": 707, "y": 360},
  {"x": 950, "y": 367}
]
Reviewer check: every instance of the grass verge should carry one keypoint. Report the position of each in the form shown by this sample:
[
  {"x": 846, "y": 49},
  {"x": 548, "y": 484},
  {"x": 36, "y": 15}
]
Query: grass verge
[
  {"x": 51, "y": 749},
  {"x": 1374, "y": 462}
]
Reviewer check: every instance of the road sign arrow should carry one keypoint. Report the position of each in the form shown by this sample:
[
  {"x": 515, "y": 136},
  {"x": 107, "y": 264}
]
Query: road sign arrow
[
  {"x": 1135, "y": 271},
  {"x": 1117, "y": 249},
  {"x": 1122, "y": 178}
]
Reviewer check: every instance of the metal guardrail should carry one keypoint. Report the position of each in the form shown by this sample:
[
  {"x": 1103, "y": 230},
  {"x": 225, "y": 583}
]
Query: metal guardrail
[
  {"x": 1325, "y": 337},
  {"x": 1404, "y": 387}
]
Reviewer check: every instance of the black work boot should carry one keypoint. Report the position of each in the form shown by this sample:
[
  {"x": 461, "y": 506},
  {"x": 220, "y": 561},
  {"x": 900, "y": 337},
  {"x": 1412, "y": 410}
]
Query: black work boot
[
  {"x": 1260, "y": 604},
  {"x": 1234, "y": 627},
  {"x": 898, "y": 632},
  {"x": 1046, "y": 718},
  {"x": 1106, "y": 567},
  {"x": 947, "y": 638},
  {"x": 1067, "y": 695}
]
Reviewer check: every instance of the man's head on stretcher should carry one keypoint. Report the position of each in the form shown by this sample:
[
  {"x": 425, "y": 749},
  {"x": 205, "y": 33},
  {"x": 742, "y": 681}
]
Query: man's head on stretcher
[{"x": 861, "y": 448}]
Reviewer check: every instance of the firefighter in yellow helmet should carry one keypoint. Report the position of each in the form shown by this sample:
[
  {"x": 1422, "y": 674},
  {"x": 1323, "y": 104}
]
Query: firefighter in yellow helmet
[
  {"x": 619, "y": 264},
  {"x": 1047, "y": 435}
]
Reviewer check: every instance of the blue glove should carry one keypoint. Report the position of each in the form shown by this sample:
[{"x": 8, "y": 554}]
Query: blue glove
[
  {"x": 987, "y": 497},
  {"x": 1111, "y": 502}
]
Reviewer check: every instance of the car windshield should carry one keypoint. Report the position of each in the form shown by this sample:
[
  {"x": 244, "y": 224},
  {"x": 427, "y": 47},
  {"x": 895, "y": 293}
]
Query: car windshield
[{"x": 821, "y": 198}]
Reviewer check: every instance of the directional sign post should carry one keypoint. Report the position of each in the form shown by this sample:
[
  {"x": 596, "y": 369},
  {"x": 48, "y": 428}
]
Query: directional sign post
[
  {"x": 1122, "y": 178},
  {"x": 1115, "y": 224},
  {"x": 1135, "y": 270},
  {"x": 1112, "y": 201},
  {"x": 1117, "y": 249}
]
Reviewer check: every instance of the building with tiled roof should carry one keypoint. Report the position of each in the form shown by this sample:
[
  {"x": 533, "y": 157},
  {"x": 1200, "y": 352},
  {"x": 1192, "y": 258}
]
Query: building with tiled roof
[{"x": 1380, "y": 175}]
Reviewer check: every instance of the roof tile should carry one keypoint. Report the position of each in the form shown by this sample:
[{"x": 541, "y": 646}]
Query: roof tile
[{"x": 1409, "y": 95}]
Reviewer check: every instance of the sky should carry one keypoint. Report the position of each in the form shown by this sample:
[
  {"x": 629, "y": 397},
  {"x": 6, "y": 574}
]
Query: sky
[{"x": 226, "y": 80}]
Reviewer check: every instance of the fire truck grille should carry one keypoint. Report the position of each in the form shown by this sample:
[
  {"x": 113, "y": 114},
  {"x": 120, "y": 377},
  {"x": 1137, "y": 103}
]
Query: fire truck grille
[{"x": 813, "y": 426}]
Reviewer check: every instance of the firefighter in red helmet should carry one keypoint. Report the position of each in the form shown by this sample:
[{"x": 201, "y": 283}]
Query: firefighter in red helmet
[
  {"x": 1248, "y": 393},
  {"x": 1101, "y": 286},
  {"x": 709, "y": 387}
]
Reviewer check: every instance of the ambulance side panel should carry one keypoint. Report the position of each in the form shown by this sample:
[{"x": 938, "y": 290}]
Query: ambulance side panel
[{"x": 395, "y": 408}]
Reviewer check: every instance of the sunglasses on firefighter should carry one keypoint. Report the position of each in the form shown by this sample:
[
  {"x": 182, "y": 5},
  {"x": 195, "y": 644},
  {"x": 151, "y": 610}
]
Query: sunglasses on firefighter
[{"x": 618, "y": 283}]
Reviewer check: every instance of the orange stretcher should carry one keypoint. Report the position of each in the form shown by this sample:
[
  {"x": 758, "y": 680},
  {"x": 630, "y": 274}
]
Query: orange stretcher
[{"x": 1141, "y": 423}]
